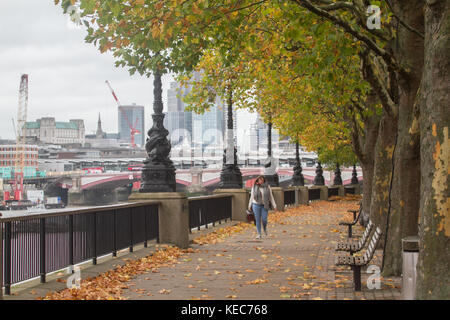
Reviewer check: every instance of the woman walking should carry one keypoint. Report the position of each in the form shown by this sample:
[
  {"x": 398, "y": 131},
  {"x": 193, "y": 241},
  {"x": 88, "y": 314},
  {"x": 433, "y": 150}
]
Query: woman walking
[{"x": 260, "y": 199}]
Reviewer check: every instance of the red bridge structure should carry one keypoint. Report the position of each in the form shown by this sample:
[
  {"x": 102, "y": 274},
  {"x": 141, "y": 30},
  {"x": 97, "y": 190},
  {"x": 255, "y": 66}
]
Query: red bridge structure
[{"x": 206, "y": 178}]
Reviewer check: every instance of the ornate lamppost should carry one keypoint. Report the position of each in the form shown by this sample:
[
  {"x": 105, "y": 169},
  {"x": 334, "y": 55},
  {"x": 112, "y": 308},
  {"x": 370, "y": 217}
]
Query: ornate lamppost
[
  {"x": 271, "y": 175},
  {"x": 158, "y": 173},
  {"x": 319, "y": 179},
  {"x": 337, "y": 181},
  {"x": 297, "y": 177},
  {"x": 354, "y": 176},
  {"x": 230, "y": 176}
]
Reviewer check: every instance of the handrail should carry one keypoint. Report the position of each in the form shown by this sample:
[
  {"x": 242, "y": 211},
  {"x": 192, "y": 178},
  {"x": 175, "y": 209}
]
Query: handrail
[
  {"x": 212, "y": 196},
  {"x": 75, "y": 211},
  {"x": 204, "y": 210}
]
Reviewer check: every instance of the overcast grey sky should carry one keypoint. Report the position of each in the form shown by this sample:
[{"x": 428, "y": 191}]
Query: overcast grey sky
[{"x": 66, "y": 75}]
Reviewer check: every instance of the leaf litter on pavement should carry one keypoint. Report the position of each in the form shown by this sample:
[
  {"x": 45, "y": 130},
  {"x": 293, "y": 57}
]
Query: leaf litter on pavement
[{"x": 111, "y": 284}]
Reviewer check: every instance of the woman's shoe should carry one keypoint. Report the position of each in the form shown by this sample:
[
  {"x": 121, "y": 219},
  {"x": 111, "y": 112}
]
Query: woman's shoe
[{"x": 258, "y": 236}]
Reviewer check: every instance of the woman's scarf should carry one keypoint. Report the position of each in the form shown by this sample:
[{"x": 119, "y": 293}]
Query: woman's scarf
[{"x": 263, "y": 198}]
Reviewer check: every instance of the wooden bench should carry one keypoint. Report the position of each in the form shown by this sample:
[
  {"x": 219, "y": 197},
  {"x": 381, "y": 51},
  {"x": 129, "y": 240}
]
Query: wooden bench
[
  {"x": 357, "y": 262},
  {"x": 353, "y": 247},
  {"x": 355, "y": 220}
]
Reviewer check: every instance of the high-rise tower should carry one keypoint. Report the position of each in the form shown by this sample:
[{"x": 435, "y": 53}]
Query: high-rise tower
[{"x": 135, "y": 115}]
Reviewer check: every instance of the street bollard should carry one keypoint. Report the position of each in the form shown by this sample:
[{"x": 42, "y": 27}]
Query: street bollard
[{"x": 410, "y": 248}]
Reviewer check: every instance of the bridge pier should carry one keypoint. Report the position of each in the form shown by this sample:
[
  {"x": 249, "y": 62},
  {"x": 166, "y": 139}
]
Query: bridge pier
[
  {"x": 196, "y": 184},
  {"x": 122, "y": 193},
  {"x": 91, "y": 197}
]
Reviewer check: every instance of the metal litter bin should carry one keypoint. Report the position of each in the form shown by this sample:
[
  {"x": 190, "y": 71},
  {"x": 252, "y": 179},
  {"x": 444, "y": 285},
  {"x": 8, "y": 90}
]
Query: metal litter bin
[{"x": 410, "y": 248}]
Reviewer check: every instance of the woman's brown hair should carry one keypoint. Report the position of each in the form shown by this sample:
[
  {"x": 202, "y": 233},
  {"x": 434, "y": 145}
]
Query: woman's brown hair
[{"x": 260, "y": 177}]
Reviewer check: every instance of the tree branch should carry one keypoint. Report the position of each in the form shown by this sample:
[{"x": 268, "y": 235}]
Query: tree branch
[
  {"x": 355, "y": 132},
  {"x": 387, "y": 57},
  {"x": 337, "y": 6},
  {"x": 357, "y": 137},
  {"x": 372, "y": 76},
  {"x": 403, "y": 23}
]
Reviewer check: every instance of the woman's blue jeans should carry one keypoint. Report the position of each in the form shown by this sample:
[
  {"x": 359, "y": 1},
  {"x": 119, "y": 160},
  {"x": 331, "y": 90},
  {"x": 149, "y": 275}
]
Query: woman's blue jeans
[{"x": 260, "y": 214}]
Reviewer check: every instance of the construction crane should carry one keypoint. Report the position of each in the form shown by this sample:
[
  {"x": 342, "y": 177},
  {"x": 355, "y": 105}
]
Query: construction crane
[
  {"x": 19, "y": 154},
  {"x": 14, "y": 127},
  {"x": 133, "y": 130}
]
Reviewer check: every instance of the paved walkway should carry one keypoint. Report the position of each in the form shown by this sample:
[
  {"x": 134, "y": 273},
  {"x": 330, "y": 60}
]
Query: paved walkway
[{"x": 295, "y": 261}]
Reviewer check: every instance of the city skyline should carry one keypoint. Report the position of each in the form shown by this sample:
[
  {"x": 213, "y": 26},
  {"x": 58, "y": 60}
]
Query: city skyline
[{"x": 66, "y": 75}]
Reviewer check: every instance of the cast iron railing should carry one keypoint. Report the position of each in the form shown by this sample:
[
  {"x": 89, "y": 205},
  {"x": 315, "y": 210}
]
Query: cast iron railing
[
  {"x": 35, "y": 245},
  {"x": 333, "y": 191},
  {"x": 350, "y": 189},
  {"x": 206, "y": 210},
  {"x": 289, "y": 197},
  {"x": 313, "y": 194}
]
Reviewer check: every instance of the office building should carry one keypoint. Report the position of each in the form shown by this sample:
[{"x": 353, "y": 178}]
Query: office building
[
  {"x": 48, "y": 131},
  {"x": 209, "y": 128},
  {"x": 261, "y": 132},
  {"x": 174, "y": 103},
  {"x": 176, "y": 120},
  {"x": 253, "y": 138},
  {"x": 132, "y": 117},
  {"x": 9, "y": 159},
  {"x": 179, "y": 125},
  {"x": 205, "y": 131}
]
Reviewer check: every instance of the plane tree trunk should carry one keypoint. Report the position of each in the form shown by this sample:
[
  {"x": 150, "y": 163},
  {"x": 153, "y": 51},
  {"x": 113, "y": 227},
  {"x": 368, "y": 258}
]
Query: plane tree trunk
[{"x": 434, "y": 255}]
